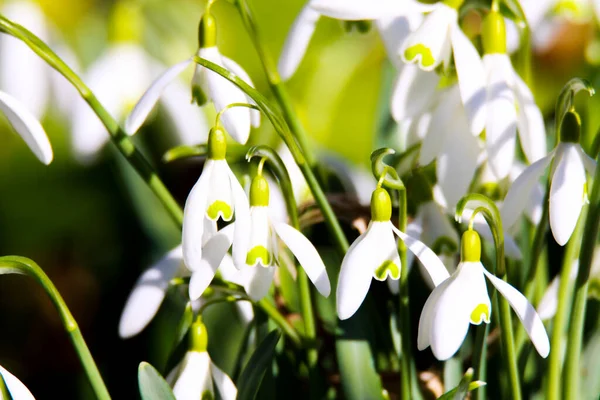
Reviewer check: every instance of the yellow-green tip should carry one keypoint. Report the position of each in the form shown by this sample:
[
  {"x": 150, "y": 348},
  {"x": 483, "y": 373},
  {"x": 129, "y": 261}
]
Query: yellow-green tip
[
  {"x": 259, "y": 192},
  {"x": 493, "y": 33},
  {"x": 217, "y": 144},
  {"x": 207, "y": 31},
  {"x": 126, "y": 24},
  {"x": 570, "y": 130},
  {"x": 381, "y": 205},
  {"x": 198, "y": 336},
  {"x": 470, "y": 250}
]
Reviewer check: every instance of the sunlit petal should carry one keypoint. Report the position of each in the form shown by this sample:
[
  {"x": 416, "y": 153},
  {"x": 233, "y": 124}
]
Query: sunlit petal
[
  {"x": 567, "y": 193},
  {"x": 532, "y": 133},
  {"x": 224, "y": 384},
  {"x": 148, "y": 294},
  {"x": 27, "y": 126},
  {"x": 526, "y": 313},
  {"x": 413, "y": 92},
  {"x": 194, "y": 214},
  {"x": 441, "y": 121},
  {"x": 471, "y": 79},
  {"x": 427, "y": 314},
  {"x": 148, "y": 100},
  {"x": 352, "y": 10},
  {"x": 307, "y": 256},
  {"x": 194, "y": 377},
  {"x": 241, "y": 72},
  {"x": 257, "y": 280},
  {"x": 297, "y": 41},
  {"x": 242, "y": 222},
  {"x": 15, "y": 387},
  {"x": 501, "y": 121},
  {"x": 521, "y": 189}
]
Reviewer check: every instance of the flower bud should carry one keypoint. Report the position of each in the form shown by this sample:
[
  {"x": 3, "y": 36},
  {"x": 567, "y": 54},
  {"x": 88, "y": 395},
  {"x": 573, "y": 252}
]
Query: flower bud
[
  {"x": 381, "y": 205},
  {"x": 198, "y": 336},
  {"x": 207, "y": 31},
  {"x": 217, "y": 144},
  {"x": 470, "y": 247},
  {"x": 494, "y": 33},
  {"x": 570, "y": 129},
  {"x": 259, "y": 192}
]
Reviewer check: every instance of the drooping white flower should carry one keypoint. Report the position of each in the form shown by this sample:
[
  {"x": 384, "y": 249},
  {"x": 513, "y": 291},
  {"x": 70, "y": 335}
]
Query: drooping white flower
[
  {"x": 261, "y": 247},
  {"x": 448, "y": 139},
  {"x": 432, "y": 44},
  {"x": 374, "y": 254},
  {"x": 217, "y": 194},
  {"x": 462, "y": 299},
  {"x": 196, "y": 376},
  {"x": 206, "y": 85},
  {"x": 27, "y": 126},
  {"x": 567, "y": 177},
  {"x": 16, "y": 389},
  {"x": 510, "y": 104},
  {"x": 304, "y": 26}
]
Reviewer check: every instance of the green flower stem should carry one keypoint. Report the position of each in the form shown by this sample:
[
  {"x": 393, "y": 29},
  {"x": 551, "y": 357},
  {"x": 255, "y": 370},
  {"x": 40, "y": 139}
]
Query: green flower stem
[
  {"x": 479, "y": 359},
  {"x": 404, "y": 309},
  {"x": 560, "y": 319},
  {"x": 590, "y": 234},
  {"x": 278, "y": 88},
  {"x": 117, "y": 135},
  {"x": 508, "y": 344},
  {"x": 25, "y": 266},
  {"x": 280, "y": 320}
]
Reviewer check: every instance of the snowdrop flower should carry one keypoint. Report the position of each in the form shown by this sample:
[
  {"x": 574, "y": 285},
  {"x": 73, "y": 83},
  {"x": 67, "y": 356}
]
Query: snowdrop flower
[
  {"x": 432, "y": 44},
  {"x": 217, "y": 194},
  {"x": 374, "y": 254},
  {"x": 304, "y": 26},
  {"x": 118, "y": 79},
  {"x": 261, "y": 247},
  {"x": 567, "y": 181},
  {"x": 206, "y": 85},
  {"x": 196, "y": 376},
  {"x": 27, "y": 126},
  {"x": 448, "y": 139},
  {"x": 15, "y": 387},
  {"x": 510, "y": 104},
  {"x": 462, "y": 299}
]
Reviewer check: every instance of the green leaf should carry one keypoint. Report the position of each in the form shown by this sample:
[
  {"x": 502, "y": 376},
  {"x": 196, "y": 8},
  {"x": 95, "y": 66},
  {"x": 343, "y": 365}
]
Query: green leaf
[
  {"x": 255, "y": 369},
  {"x": 152, "y": 385}
]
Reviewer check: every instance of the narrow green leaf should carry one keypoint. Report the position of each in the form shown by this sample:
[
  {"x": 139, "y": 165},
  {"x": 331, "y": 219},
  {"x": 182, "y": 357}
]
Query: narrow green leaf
[
  {"x": 464, "y": 387},
  {"x": 152, "y": 385},
  {"x": 255, "y": 369}
]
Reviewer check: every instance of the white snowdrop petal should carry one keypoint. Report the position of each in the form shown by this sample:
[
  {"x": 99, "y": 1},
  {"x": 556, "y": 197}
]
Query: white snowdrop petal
[
  {"x": 241, "y": 72},
  {"x": 297, "y": 41},
  {"x": 471, "y": 79},
  {"x": 458, "y": 160},
  {"x": 194, "y": 377},
  {"x": 16, "y": 388},
  {"x": 212, "y": 255},
  {"x": 394, "y": 30},
  {"x": 242, "y": 222},
  {"x": 436, "y": 224},
  {"x": 442, "y": 119},
  {"x": 501, "y": 121},
  {"x": 566, "y": 193},
  {"x": 148, "y": 294},
  {"x": 414, "y": 91},
  {"x": 434, "y": 266},
  {"x": 532, "y": 132},
  {"x": 257, "y": 281},
  {"x": 588, "y": 162},
  {"x": 224, "y": 384},
  {"x": 194, "y": 214},
  {"x": 451, "y": 318},
  {"x": 307, "y": 256},
  {"x": 356, "y": 274},
  {"x": 430, "y": 45},
  {"x": 521, "y": 189},
  {"x": 260, "y": 236},
  {"x": 222, "y": 92},
  {"x": 150, "y": 97},
  {"x": 526, "y": 313},
  {"x": 190, "y": 122},
  {"x": 27, "y": 126},
  {"x": 426, "y": 318}
]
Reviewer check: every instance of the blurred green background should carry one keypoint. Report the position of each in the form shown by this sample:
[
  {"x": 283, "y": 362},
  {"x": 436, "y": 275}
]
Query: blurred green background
[{"x": 94, "y": 228}]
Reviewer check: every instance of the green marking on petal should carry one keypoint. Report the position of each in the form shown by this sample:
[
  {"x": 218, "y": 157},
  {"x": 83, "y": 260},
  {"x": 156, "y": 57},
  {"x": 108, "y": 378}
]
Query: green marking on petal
[
  {"x": 412, "y": 52},
  {"x": 207, "y": 395},
  {"x": 258, "y": 252},
  {"x": 221, "y": 208},
  {"x": 480, "y": 313},
  {"x": 390, "y": 267}
]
